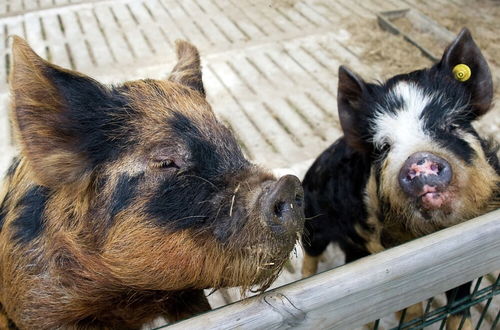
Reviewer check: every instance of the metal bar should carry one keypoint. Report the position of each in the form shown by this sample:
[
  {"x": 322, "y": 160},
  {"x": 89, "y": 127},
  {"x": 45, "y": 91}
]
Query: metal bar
[
  {"x": 462, "y": 322},
  {"x": 481, "y": 318},
  {"x": 476, "y": 287},
  {"x": 402, "y": 318},
  {"x": 494, "y": 324}
]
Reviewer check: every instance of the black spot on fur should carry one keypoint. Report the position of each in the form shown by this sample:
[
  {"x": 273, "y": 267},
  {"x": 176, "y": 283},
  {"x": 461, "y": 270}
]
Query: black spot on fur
[
  {"x": 182, "y": 203},
  {"x": 95, "y": 114},
  {"x": 456, "y": 145},
  {"x": 211, "y": 155},
  {"x": 124, "y": 193},
  {"x": 333, "y": 189},
  {"x": 490, "y": 149},
  {"x": 198, "y": 196},
  {"x": 2, "y": 213},
  {"x": 13, "y": 166},
  {"x": 3, "y": 210},
  {"x": 30, "y": 223},
  {"x": 378, "y": 157}
]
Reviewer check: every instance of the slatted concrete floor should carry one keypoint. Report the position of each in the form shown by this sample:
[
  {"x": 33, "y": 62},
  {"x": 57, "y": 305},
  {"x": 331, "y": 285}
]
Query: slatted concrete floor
[{"x": 270, "y": 67}]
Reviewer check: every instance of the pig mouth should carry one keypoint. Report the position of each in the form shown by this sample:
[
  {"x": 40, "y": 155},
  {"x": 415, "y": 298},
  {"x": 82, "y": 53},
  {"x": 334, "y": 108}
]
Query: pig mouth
[{"x": 433, "y": 198}]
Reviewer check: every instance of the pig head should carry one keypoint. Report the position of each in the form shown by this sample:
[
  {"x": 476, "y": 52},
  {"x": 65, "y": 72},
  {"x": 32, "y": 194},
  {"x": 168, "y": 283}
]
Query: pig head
[{"x": 126, "y": 201}]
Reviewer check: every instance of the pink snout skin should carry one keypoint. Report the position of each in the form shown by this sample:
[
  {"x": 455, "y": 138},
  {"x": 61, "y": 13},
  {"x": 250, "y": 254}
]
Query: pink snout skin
[{"x": 433, "y": 199}]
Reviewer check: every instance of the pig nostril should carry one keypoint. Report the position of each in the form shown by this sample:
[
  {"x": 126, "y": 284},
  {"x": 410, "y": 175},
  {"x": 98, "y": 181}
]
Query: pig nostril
[
  {"x": 279, "y": 208},
  {"x": 411, "y": 175},
  {"x": 421, "y": 169}
]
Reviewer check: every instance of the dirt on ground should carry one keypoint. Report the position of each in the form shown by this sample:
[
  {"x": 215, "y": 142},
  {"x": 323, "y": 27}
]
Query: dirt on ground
[
  {"x": 281, "y": 3},
  {"x": 381, "y": 49},
  {"x": 482, "y": 17},
  {"x": 391, "y": 54}
]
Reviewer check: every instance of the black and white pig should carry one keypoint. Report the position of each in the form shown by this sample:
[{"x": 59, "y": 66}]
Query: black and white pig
[{"x": 409, "y": 163}]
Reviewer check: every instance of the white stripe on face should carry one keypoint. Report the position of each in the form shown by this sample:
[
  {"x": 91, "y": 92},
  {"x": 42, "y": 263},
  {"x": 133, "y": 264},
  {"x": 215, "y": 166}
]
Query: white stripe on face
[{"x": 402, "y": 128}]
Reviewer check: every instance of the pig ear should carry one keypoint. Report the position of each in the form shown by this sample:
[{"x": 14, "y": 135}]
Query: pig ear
[
  {"x": 349, "y": 97},
  {"x": 46, "y": 103},
  {"x": 187, "y": 71},
  {"x": 463, "y": 50}
]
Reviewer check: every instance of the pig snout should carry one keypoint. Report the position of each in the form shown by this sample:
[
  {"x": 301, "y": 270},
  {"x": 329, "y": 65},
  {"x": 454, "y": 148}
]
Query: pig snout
[
  {"x": 424, "y": 169},
  {"x": 426, "y": 176},
  {"x": 283, "y": 205}
]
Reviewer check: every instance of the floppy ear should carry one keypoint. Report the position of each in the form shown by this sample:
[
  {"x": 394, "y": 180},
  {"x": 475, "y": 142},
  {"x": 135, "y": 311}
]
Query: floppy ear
[
  {"x": 463, "y": 50},
  {"x": 49, "y": 107},
  {"x": 349, "y": 102},
  {"x": 187, "y": 71}
]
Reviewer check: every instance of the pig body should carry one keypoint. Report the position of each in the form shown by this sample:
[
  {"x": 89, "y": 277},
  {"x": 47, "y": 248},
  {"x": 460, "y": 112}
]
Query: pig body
[
  {"x": 409, "y": 163},
  {"x": 126, "y": 202}
]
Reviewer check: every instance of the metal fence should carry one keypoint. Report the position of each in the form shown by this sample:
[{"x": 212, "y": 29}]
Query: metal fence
[{"x": 455, "y": 306}]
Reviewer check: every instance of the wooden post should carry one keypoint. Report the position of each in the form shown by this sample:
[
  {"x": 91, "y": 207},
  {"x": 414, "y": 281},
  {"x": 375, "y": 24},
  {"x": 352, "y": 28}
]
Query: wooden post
[{"x": 372, "y": 287}]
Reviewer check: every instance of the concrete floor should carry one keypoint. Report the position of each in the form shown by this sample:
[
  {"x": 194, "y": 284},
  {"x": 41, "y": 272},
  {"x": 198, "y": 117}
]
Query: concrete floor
[{"x": 270, "y": 67}]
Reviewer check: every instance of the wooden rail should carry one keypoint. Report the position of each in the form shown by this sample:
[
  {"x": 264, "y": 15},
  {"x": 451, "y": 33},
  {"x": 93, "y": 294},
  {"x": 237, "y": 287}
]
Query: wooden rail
[{"x": 370, "y": 288}]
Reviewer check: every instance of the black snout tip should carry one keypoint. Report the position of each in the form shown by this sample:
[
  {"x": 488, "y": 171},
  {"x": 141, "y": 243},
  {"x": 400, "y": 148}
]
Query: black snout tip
[
  {"x": 424, "y": 169},
  {"x": 284, "y": 204}
]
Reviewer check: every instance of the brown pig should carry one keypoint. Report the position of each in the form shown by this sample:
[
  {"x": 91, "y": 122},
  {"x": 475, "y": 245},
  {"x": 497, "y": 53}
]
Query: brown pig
[{"x": 125, "y": 202}]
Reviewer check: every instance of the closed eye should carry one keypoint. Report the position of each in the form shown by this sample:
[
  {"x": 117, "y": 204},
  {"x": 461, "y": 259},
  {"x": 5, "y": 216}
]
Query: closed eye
[{"x": 166, "y": 163}]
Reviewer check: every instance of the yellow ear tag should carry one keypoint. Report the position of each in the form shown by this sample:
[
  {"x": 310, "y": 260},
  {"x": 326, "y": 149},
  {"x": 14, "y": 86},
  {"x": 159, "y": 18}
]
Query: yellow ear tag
[{"x": 461, "y": 72}]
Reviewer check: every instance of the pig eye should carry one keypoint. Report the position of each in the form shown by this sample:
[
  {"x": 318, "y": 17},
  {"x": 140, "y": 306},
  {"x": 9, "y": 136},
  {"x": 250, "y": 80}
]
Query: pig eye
[
  {"x": 164, "y": 163},
  {"x": 452, "y": 127},
  {"x": 385, "y": 147}
]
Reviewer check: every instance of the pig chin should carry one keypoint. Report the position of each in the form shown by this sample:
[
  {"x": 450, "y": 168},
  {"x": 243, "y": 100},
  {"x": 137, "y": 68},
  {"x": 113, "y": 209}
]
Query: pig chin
[
  {"x": 256, "y": 267},
  {"x": 433, "y": 199}
]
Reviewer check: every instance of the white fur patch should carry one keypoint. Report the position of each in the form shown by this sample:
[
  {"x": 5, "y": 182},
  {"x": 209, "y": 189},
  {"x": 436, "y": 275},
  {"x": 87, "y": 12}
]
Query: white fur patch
[{"x": 403, "y": 128}]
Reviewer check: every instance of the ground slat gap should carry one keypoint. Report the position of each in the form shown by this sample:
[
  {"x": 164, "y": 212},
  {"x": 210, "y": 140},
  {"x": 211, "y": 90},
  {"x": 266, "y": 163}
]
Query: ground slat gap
[
  {"x": 240, "y": 141},
  {"x": 257, "y": 26},
  {"x": 169, "y": 14},
  {"x": 302, "y": 116},
  {"x": 91, "y": 52},
  {"x": 262, "y": 74},
  {"x": 235, "y": 99},
  {"x": 124, "y": 35},
  {"x": 242, "y": 78},
  {"x": 264, "y": 14},
  {"x": 101, "y": 29},
  {"x": 70, "y": 56},
  {"x": 287, "y": 129},
  {"x": 319, "y": 82},
  {"x": 235, "y": 24}
]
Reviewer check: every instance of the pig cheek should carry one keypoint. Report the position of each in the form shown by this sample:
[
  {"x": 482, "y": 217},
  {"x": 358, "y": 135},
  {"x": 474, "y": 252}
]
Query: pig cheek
[
  {"x": 479, "y": 181},
  {"x": 173, "y": 261},
  {"x": 471, "y": 187},
  {"x": 476, "y": 187},
  {"x": 390, "y": 188}
]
